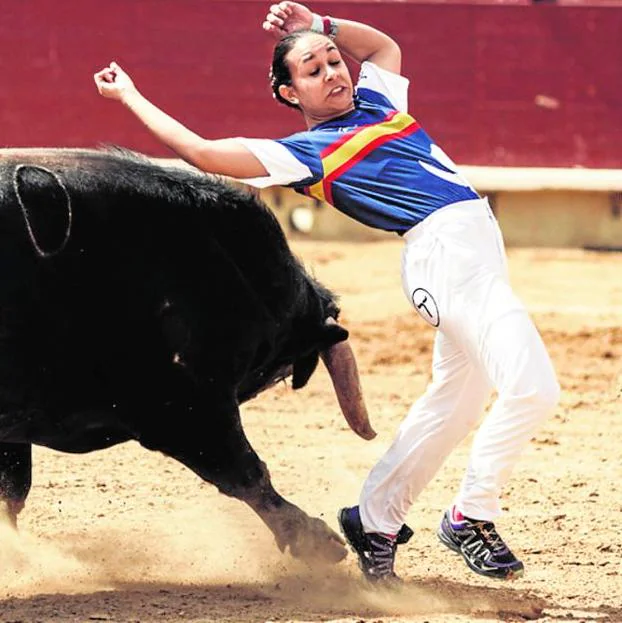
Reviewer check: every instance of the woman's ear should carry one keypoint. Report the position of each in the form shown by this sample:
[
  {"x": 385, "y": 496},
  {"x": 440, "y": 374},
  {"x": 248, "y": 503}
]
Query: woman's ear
[{"x": 287, "y": 93}]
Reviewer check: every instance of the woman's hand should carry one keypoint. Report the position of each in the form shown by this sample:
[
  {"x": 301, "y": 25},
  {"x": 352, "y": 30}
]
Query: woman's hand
[
  {"x": 113, "y": 82},
  {"x": 285, "y": 18}
]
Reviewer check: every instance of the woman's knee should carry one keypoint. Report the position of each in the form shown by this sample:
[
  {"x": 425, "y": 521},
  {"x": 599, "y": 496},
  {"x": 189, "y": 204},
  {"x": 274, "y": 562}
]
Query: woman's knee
[{"x": 541, "y": 392}]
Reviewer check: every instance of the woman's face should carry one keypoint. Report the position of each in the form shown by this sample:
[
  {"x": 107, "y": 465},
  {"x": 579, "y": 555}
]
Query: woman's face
[{"x": 321, "y": 83}]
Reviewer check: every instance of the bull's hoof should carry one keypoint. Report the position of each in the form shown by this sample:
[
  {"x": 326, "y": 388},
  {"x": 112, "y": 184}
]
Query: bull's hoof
[{"x": 317, "y": 543}]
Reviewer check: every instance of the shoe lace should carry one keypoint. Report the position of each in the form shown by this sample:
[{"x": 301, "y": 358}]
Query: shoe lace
[
  {"x": 489, "y": 532},
  {"x": 382, "y": 556}
]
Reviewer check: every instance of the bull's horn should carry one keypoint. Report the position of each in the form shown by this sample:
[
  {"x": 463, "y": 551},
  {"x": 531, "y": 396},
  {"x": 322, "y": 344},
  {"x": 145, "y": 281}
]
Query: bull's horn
[{"x": 341, "y": 365}]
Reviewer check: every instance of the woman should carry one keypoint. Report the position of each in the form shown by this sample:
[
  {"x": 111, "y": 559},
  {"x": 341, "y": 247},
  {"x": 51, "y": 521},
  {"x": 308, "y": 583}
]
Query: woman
[{"x": 366, "y": 156}]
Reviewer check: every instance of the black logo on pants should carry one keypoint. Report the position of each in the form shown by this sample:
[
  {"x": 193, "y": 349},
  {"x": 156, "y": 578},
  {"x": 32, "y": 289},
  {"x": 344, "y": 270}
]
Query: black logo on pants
[{"x": 426, "y": 306}]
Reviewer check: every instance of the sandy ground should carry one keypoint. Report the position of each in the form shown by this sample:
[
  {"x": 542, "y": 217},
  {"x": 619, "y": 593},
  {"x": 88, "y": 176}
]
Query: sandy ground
[{"x": 129, "y": 535}]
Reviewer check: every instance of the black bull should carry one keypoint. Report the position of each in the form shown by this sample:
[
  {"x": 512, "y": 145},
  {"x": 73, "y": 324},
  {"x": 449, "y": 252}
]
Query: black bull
[{"x": 143, "y": 302}]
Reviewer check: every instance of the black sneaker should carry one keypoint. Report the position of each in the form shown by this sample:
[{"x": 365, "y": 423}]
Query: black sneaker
[
  {"x": 376, "y": 552},
  {"x": 480, "y": 545}
]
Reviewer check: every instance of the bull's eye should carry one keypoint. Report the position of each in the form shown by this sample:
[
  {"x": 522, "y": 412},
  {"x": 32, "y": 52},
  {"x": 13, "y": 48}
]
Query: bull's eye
[{"x": 165, "y": 306}]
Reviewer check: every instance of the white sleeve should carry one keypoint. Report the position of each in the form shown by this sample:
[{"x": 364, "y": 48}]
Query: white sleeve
[
  {"x": 282, "y": 166},
  {"x": 392, "y": 86}
]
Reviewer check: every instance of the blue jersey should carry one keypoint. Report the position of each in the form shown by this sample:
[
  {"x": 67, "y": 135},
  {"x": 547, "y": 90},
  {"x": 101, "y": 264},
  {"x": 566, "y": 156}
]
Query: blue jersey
[{"x": 375, "y": 163}]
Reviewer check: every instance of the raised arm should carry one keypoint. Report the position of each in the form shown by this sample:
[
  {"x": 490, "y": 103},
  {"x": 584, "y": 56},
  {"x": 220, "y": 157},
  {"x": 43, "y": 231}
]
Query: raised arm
[
  {"x": 359, "y": 41},
  {"x": 224, "y": 156}
]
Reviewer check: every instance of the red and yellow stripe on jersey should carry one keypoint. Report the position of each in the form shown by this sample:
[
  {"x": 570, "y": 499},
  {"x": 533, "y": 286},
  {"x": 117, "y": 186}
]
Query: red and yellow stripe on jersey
[
  {"x": 344, "y": 153},
  {"x": 377, "y": 165}
]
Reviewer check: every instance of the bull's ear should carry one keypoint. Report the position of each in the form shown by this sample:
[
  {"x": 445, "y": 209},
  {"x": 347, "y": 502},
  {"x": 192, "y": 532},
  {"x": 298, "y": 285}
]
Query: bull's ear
[{"x": 303, "y": 369}]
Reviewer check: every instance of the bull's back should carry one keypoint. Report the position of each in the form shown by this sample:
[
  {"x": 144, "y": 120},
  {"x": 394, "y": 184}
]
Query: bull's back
[{"x": 109, "y": 202}]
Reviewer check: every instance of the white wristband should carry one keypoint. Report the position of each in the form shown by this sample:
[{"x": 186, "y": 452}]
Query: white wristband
[{"x": 318, "y": 24}]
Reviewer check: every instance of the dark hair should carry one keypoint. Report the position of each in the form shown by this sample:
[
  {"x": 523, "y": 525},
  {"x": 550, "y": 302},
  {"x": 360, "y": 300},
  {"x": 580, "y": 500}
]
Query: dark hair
[{"x": 279, "y": 71}]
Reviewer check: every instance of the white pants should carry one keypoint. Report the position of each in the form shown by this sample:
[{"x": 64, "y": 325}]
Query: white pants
[{"x": 454, "y": 272}]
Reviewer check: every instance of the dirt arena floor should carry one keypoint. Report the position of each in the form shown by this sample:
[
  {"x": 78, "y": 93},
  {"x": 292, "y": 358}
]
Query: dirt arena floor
[{"x": 129, "y": 535}]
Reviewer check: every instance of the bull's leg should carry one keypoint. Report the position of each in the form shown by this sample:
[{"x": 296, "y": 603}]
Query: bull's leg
[
  {"x": 15, "y": 479},
  {"x": 218, "y": 451}
]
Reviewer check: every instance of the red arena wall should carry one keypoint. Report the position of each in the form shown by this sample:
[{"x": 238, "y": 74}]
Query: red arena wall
[{"x": 507, "y": 83}]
